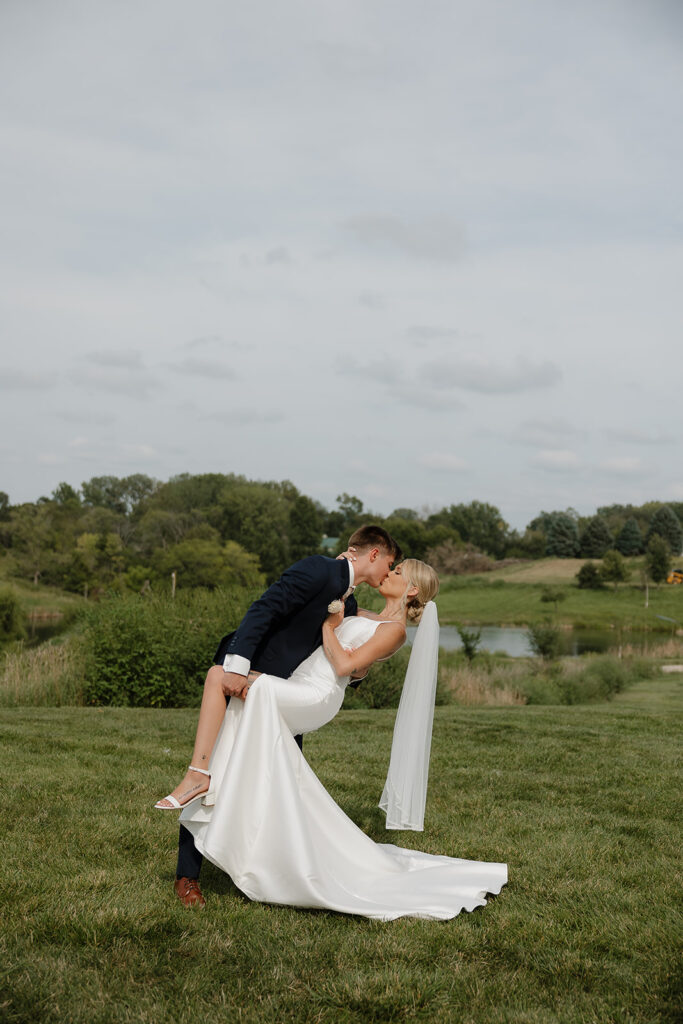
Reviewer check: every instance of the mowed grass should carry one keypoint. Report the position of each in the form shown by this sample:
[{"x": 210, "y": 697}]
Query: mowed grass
[
  {"x": 481, "y": 601},
  {"x": 582, "y": 802}
]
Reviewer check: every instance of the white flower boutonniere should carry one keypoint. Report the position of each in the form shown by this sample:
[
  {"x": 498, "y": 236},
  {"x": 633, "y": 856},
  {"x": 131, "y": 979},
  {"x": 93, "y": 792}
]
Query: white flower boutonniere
[{"x": 335, "y": 606}]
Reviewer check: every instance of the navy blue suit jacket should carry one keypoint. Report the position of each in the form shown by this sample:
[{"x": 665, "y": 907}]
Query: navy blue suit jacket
[{"x": 285, "y": 625}]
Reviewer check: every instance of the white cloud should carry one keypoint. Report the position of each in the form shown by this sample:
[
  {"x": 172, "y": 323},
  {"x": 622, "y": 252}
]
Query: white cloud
[
  {"x": 443, "y": 461},
  {"x": 646, "y": 437},
  {"x": 488, "y": 376},
  {"x": 557, "y": 459},
  {"x": 423, "y": 332},
  {"x": 545, "y": 432},
  {"x": 371, "y": 300},
  {"x": 278, "y": 254},
  {"x": 131, "y": 360},
  {"x": 117, "y": 380},
  {"x": 438, "y": 239},
  {"x": 209, "y": 368},
  {"x": 16, "y": 379},
  {"x": 624, "y": 466}
]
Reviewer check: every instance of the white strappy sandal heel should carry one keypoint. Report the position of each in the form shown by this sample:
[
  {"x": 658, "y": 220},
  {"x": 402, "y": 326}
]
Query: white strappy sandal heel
[{"x": 175, "y": 805}]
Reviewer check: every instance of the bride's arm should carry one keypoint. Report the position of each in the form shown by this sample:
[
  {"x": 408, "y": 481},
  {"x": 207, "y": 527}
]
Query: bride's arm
[{"x": 383, "y": 644}]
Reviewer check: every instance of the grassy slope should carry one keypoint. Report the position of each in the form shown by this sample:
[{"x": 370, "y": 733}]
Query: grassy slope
[
  {"x": 580, "y": 801},
  {"x": 38, "y": 600}
]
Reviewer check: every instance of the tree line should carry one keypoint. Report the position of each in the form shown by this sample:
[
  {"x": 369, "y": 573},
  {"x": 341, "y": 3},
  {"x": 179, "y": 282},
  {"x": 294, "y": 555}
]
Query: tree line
[{"x": 217, "y": 530}]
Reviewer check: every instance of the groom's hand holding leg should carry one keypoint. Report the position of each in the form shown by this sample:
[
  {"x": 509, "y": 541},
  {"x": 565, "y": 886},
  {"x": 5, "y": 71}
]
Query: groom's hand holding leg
[{"x": 234, "y": 684}]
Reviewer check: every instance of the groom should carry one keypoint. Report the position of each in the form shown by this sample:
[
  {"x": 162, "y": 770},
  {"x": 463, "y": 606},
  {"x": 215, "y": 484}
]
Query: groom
[{"x": 279, "y": 631}]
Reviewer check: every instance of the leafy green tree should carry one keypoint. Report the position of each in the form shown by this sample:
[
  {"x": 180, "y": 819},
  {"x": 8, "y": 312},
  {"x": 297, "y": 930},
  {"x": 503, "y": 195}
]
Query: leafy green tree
[
  {"x": 119, "y": 494},
  {"x": 410, "y": 534},
  {"x": 4, "y": 507},
  {"x": 32, "y": 539},
  {"x": 563, "y": 537},
  {"x": 595, "y": 539},
  {"x": 478, "y": 524},
  {"x": 589, "y": 577},
  {"x": 64, "y": 494},
  {"x": 629, "y": 539},
  {"x": 614, "y": 568},
  {"x": 203, "y": 563},
  {"x": 258, "y": 518},
  {"x": 658, "y": 559},
  {"x": 405, "y": 513},
  {"x": 160, "y": 528},
  {"x": 665, "y": 524},
  {"x": 190, "y": 493},
  {"x": 343, "y": 520},
  {"x": 530, "y": 544},
  {"x": 305, "y": 528}
]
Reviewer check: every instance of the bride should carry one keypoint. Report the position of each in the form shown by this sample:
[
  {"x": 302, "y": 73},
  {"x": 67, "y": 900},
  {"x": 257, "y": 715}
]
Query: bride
[{"x": 266, "y": 819}]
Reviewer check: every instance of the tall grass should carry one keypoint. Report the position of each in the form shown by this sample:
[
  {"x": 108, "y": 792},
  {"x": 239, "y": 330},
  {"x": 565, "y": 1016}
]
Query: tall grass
[
  {"x": 494, "y": 681},
  {"x": 52, "y": 675}
]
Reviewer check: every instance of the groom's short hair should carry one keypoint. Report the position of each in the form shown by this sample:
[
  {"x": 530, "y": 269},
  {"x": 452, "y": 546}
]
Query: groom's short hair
[{"x": 372, "y": 536}]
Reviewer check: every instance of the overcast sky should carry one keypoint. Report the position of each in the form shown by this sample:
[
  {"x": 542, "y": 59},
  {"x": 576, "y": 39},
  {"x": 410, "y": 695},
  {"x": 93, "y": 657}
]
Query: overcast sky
[{"x": 423, "y": 252}]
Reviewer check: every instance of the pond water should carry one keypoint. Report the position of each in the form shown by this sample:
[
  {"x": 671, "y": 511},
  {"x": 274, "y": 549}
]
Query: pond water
[
  {"x": 510, "y": 640},
  {"x": 513, "y": 640},
  {"x": 38, "y": 631}
]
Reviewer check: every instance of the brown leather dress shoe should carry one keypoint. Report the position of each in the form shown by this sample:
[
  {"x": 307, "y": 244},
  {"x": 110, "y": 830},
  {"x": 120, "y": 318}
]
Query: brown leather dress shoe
[{"x": 188, "y": 892}]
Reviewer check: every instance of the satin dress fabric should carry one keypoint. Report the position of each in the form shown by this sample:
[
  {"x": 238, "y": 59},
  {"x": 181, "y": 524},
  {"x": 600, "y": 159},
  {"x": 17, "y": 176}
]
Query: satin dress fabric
[{"x": 272, "y": 826}]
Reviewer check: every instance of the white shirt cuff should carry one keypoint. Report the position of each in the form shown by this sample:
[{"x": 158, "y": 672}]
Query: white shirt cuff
[{"x": 236, "y": 663}]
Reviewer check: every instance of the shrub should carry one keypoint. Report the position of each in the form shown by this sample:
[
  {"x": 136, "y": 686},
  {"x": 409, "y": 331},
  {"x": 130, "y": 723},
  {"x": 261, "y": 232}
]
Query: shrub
[
  {"x": 589, "y": 577},
  {"x": 12, "y": 617},
  {"x": 450, "y": 559},
  {"x": 544, "y": 640},
  {"x": 155, "y": 652},
  {"x": 383, "y": 684},
  {"x": 470, "y": 640},
  {"x": 552, "y": 595}
]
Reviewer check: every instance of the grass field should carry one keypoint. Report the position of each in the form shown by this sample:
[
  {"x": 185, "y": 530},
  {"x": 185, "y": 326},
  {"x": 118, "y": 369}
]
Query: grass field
[
  {"x": 477, "y": 600},
  {"x": 580, "y": 801}
]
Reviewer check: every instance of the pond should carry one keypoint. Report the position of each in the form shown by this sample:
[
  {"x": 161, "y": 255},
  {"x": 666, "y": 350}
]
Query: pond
[
  {"x": 38, "y": 630},
  {"x": 513, "y": 640}
]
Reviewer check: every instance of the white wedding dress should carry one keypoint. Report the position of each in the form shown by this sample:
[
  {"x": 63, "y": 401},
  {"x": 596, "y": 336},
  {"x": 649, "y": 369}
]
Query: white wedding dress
[{"x": 271, "y": 825}]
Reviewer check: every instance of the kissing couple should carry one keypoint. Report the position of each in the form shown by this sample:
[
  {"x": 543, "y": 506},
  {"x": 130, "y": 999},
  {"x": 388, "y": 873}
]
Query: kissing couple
[{"x": 252, "y": 805}]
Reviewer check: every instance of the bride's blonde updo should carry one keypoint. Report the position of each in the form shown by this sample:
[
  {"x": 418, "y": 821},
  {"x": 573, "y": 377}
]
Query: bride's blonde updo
[{"x": 422, "y": 576}]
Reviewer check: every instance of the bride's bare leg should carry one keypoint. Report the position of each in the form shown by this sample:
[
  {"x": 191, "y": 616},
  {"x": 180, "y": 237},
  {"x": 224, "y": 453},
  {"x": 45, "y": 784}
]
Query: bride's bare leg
[{"x": 211, "y": 714}]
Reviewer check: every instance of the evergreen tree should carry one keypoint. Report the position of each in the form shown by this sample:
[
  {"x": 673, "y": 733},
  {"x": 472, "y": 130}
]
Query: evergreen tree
[
  {"x": 563, "y": 537},
  {"x": 666, "y": 524},
  {"x": 596, "y": 538},
  {"x": 630, "y": 540}
]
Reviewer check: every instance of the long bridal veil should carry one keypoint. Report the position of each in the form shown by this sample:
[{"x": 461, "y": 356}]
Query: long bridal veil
[{"x": 405, "y": 790}]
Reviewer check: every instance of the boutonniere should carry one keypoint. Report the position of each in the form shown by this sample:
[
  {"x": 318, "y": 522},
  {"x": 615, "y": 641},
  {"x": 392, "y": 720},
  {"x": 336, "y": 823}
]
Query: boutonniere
[{"x": 335, "y": 606}]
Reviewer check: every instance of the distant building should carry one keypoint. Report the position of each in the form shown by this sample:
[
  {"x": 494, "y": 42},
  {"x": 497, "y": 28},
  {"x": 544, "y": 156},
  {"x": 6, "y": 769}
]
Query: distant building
[{"x": 328, "y": 545}]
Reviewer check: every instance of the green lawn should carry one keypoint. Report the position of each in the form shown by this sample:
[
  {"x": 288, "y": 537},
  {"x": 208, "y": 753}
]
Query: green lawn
[
  {"x": 476, "y": 600},
  {"x": 580, "y": 801}
]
